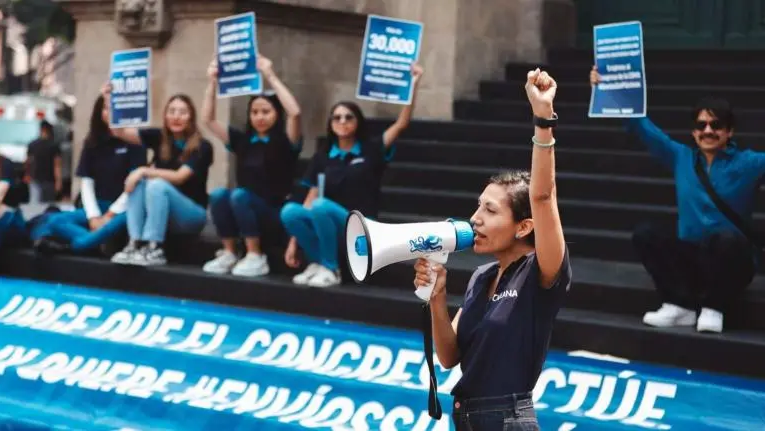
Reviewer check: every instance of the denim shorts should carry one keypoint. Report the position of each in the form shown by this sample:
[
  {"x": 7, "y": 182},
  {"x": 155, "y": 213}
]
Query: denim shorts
[{"x": 504, "y": 413}]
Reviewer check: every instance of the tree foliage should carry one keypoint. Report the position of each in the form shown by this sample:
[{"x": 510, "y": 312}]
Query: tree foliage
[{"x": 43, "y": 19}]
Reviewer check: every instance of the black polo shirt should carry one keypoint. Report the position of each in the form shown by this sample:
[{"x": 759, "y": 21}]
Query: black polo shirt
[
  {"x": 266, "y": 166},
  {"x": 195, "y": 188},
  {"x": 503, "y": 340},
  {"x": 351, "y": 178},
  {"x": 108, "y": 163},
  {"x": 42, "y": 153}
]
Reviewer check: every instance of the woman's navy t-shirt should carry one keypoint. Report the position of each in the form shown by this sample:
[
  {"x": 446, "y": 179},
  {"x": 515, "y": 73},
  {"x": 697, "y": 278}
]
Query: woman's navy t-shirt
[
  {"x": 265, "y": 166},
  {"x": 503, "y": 340},
  {"x": 108, "y": 163},
  {"x": 351, "y": 178},
  {"x": 195, "y": 188}
]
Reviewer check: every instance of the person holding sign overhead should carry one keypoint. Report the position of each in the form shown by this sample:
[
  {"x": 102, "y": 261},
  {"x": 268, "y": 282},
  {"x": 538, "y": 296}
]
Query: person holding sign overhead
[
  {"x": 351, "y": 164},
  {"x": 709, "y": 259},
  {"x": 171, "y": 194},
  {"x": 501, "y": 334},
  {"x": 266, "y": 154}
]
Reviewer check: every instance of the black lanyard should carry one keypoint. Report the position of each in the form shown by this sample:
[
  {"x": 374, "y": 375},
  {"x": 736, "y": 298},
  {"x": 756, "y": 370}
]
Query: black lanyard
[{"x": 434, "y": 405}]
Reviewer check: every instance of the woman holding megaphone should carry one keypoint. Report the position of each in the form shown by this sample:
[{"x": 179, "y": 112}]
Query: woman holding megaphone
[
  {"x": 351, "y": 168},
  {"x": 500, "y": 335}
]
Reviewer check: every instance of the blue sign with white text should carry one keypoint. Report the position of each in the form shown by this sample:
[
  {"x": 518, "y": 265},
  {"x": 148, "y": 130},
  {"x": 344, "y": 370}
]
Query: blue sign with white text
[
  {"x": 390, "y": 47},
  {"x": 621, "y": 92},
  {"x": 91, "y": 359},
  {"x": 130, "y": 78},
  {"x": 237, "y": 54}
]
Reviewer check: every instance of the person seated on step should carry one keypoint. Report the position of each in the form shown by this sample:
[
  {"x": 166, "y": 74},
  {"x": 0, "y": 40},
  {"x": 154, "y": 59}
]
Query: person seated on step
[
  {"x": 104, "y": 165},
  {"x": 170, "y": 195},
  {"x": 266, "y": 152},
  {"x": 706, "y": 261},
  {"x": 12, "y": 223},
  {"x": 351, "y": 164},
  {"x": 500, "y": 335}
]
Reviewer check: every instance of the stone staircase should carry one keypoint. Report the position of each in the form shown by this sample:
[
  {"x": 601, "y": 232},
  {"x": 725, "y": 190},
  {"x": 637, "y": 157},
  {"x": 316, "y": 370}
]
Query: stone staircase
[{"x": 607, "y": 182}]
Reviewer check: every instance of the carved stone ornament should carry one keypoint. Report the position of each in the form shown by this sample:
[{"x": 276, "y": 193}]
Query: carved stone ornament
[{"x": 144, "y": 22}]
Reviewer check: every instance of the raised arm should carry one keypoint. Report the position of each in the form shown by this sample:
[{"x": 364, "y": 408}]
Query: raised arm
[
  {"x": 659, "y": 144},
  {"x": 127, "y": 134},
  {"x": 405, "y": 116},
  {"x": 215, "y": 127},
  {"x": 548, "y": 232},
  {"x": 290, "y": 104}
]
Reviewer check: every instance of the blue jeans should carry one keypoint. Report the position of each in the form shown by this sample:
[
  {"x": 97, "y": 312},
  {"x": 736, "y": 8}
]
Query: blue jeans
[
  {"x": 240, "y": 212},
  {"x": 156, "y": 206},
  {"x": 41, "y": 192},
  {"x": 12, "y": 227},
  {"x": 73, "y": 227},
  {"x": 506, "y": 413},
  {"x": 318, "y": 230}
]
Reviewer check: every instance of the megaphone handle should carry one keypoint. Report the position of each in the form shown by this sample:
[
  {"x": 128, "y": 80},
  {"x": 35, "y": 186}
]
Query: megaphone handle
[{"x": 423, "y": 292}]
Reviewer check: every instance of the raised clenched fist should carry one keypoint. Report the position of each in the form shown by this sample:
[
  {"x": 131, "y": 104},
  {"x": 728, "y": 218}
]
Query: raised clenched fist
[{"x": 540, "y": 89}]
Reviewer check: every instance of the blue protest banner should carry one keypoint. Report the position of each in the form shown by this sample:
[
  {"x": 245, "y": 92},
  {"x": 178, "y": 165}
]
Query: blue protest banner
[
  {"x": 130, "y": 77},
  {"x": 236, "y": 48},
  {"x": 389, "y": 48},
  {"x": 95, "y": 360},
  {"x": 621, "y": 92}
]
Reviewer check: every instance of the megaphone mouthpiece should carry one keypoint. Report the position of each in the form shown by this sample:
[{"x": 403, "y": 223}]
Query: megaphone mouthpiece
[{"x": 465, "y": 235}]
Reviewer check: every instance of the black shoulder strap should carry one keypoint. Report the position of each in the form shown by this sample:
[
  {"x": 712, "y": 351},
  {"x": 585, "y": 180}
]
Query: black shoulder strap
[
  {"x": 732, "y": 215},
  {"x": 434, "y": 405}
]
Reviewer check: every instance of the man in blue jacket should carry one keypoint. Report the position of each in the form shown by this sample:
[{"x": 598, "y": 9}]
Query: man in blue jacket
[{"x": 707, "y": 262}]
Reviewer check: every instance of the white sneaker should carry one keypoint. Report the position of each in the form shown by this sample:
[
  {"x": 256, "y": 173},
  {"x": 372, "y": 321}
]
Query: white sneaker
[
  {"x": 252, "y": 265},
  {"x": 325, "y": 277},
  {"x": 306, "y": 275},
  {"x": 149, "y": 255},
  {"x": 670, "y": 315},
  {"x": 710, "y": 321},
  {"x": 127, "y": 255},
  {"x": 222, "y": 264}
]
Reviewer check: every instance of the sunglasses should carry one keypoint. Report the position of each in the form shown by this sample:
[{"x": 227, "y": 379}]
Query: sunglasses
[
  {"x": 346, "y": 117},
  {"x": 714, "y": 124}
]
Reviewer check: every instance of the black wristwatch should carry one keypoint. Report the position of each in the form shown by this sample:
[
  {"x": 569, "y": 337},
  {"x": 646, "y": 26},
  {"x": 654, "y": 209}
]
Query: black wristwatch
[{"x": 546, "y": 123}]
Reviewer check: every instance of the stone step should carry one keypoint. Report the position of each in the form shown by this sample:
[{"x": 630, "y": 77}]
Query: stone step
[
  {"x": 570, "y": 135},
  {"x": 496, "y": 157},
  {"x": 749, "y": 97},
  {"x": 697, "y": 57},
  {"x": 582, "y": 213},
  {"x": 667, "y": 118},
  {"x": 604, "y": 187},
  {"x": 742, "y": 75}
]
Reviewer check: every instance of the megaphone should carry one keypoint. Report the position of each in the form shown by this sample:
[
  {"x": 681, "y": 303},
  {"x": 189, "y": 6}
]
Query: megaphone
[{"x": 373, "y": 245}]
